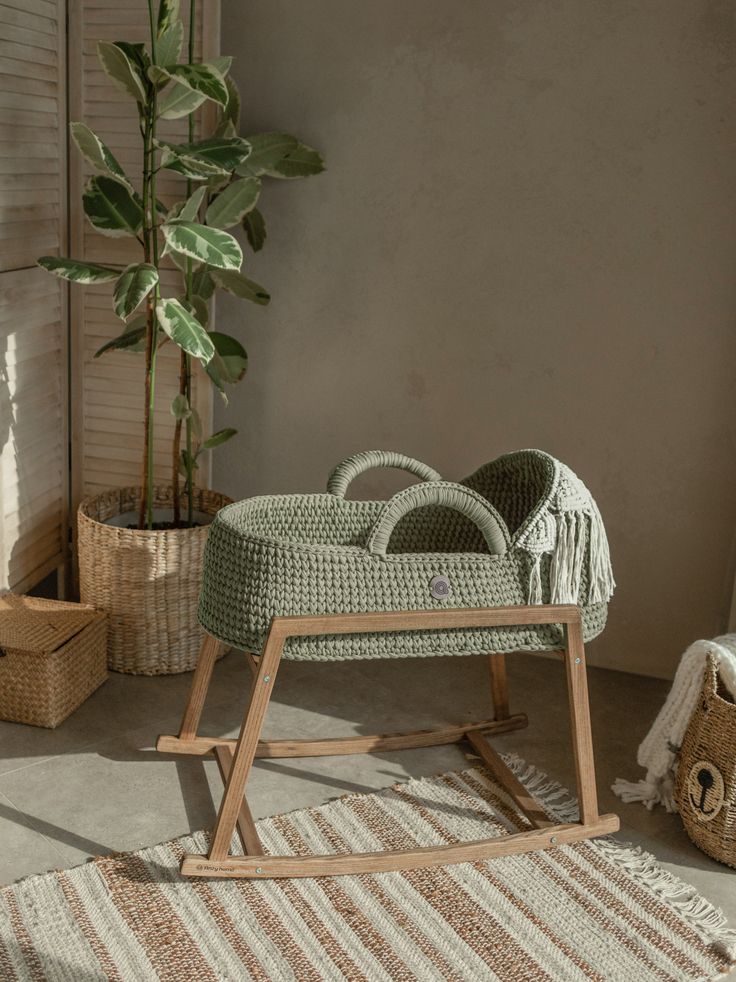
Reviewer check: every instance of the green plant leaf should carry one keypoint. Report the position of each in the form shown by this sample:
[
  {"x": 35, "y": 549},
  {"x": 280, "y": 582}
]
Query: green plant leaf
[
  {"x": 231, "y": 111},
  {"x": 240, "y": 286},
  {"x": 301, "y": 162},
  {"x": 222, "y": 63},
  {"x": 217, "y": 184},
  {"x": 168, "y": 46},
  {"x": 135, "y": 283},
  {"x": 111, "y": 207},
  {"x": 173, "y": 213},
  {"x": 137, "y": 55},
  {"x": 267, "y": 149},
  {"x": 132, "y": 338},
  {"x": 184, "y": 329},
  {"x": 205, "y": 78},
  {"x": 180, "y": 407},
  {"x": 179, "y": 100},
  {"x": 230, "y": 361},
  {"x": 221, "y": 154},
  {"x": 202, "y": 283},
  {"x": 187, "y": 210},
  {"x": 201, "y": 310},
  {"x": 168, "y": 13},
  {"x": 96, "y": 153},
  {"x": 233, "y": 204},
  {"x": 196, "y": 423},
  {"x": 207, "y": 245},
  {"x": 225, "y": 128},
  {"x": 159, "y": 76},
  {"x": 217, "y": 438},
  {"x": 255, "y": 229},
  {"x": 190, "y": 166},
  {"x": 76, "y": 271},
  {"x": 116, "y": 60},
  {"x": 178, "y": 259},
  {"x": 192, "y": 205}
]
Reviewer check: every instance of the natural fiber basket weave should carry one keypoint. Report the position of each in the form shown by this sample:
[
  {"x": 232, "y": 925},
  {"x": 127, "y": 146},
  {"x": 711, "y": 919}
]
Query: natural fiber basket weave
[
  {"x": 52, "y": 657},
  {"x": 522, "y": 529},
  {"x": 147, "y": 581},
  {"x": 705, "y": 789}
]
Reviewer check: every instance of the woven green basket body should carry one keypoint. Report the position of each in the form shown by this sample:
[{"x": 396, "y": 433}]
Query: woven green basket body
[{"x": 522, "y": 529}]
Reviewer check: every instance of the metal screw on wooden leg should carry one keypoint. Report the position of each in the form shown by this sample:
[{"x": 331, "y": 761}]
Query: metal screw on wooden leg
[
  {"x": 577, "y": 661},
  {"x": 267, "y": 678},
  {"x": 553, "y": 840},
  {"x": 258, "y": 869}
]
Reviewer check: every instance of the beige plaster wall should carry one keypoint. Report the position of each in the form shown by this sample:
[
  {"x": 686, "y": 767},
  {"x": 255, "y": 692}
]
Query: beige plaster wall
[{"x": 526, "y": 237}]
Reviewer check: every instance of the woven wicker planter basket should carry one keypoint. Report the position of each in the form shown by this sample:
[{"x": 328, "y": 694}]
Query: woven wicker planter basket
[
  {"x": 705, "y": 789},
  {"x": 148, "y": 582}
]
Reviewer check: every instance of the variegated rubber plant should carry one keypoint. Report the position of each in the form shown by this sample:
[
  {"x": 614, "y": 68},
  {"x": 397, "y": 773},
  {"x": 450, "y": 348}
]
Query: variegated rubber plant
[{"x": 223, "y": 174}]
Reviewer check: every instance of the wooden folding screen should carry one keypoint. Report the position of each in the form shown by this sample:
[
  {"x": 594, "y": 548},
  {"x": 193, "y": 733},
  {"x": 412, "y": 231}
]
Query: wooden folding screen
[
  {"x": 34, "y": 477},
  {"x": 49, "y": 332},
  {"x": 107, "y": 392}
]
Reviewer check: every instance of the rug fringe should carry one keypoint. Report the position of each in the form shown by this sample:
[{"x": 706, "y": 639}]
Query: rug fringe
[
  {"x": 552, "y": 796},
  {"x": 706, "y": 919},
  {"x": 708, "y": 922}
]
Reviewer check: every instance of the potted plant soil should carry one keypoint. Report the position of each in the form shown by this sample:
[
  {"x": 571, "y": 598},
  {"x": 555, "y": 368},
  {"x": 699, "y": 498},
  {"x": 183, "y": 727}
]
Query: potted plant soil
[{"x": 140, "y": 549}]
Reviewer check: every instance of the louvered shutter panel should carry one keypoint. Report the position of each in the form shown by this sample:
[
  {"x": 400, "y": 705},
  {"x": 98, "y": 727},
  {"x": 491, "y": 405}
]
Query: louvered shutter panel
[
  {"x": 33, "y": 312},
  {"x": 108, "y": 392}
]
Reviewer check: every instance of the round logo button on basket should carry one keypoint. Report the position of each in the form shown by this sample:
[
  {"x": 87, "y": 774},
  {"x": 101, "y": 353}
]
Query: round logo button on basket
[{"x": 439, "y": 587}]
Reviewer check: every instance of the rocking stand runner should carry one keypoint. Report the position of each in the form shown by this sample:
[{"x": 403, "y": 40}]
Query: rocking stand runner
[{"x": 235, "y": 758}]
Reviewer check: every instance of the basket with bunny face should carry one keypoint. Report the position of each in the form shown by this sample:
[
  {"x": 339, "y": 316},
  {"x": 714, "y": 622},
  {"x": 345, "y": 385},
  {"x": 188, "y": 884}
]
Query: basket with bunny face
[{"x": 705, "y": 789}]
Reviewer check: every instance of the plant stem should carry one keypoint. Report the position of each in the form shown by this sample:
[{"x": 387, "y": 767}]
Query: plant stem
[
  {"x": 151, "y": 236},
  {"x": 176, "y": 447},
  {"x": 190, "y": 449},
  {"x": 185, "y": 363},
  {"x": 147, "y": 434}
]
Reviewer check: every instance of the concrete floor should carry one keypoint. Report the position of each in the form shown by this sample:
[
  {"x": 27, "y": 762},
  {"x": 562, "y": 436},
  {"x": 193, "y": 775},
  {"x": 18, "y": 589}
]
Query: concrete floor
[{"x": 96, "y": 784}]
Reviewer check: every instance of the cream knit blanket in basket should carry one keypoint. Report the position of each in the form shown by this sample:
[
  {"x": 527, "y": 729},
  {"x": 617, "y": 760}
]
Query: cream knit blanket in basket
[{"x": 659, "y": 749}]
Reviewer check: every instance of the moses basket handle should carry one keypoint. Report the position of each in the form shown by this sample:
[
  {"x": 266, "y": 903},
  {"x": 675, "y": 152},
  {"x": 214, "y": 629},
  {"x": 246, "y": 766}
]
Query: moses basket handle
[
  {"x": 447, "y": 494},
  {"x": 350, "y": 468}
]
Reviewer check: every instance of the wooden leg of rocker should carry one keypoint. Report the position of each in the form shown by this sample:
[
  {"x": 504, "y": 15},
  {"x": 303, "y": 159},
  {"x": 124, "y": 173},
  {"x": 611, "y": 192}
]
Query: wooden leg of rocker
[
  {"x": 582, "y": 740},
  {"x": 245, "y": 748},
  {"x": 509, "y": 781},
  {"x": 499, "y": 686},
  {"x": 341, "y": 864},
  {"x": 252, "y": 662},
  {"x": 208, "y": 653},
  {"x": 334, "y": 746},
  {"x": 246, "y": 826}
]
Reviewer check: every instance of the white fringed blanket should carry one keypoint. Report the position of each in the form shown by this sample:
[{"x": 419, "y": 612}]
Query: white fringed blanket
[{"x": 659, "y": 749}]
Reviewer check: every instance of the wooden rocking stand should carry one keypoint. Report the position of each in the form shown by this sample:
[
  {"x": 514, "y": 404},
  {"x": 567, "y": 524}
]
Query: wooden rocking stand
[{"x": 235, "y": 757}]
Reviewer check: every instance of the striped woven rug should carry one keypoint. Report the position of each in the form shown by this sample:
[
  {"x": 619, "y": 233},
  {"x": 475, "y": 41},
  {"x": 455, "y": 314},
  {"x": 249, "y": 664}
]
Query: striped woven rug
[{"x": 593, "y": 910}]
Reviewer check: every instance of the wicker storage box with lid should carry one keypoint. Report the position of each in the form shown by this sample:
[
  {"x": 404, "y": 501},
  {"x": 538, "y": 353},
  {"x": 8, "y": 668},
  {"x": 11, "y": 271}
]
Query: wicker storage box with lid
[{"x": 52, "y": 657}]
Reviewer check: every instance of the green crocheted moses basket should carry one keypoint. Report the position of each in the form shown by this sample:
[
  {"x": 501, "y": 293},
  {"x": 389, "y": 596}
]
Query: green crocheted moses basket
[{"x": 522, "y": 529}]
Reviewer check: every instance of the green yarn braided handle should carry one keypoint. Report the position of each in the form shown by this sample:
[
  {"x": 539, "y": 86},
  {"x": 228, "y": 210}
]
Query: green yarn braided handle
[
  {"x": 467, "y": 502},
  {"x": 349, "y": 469}
]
